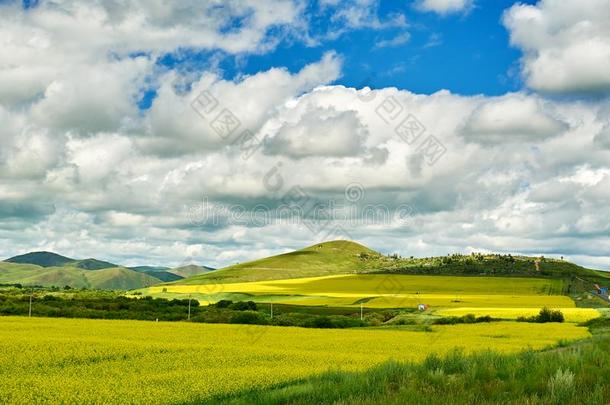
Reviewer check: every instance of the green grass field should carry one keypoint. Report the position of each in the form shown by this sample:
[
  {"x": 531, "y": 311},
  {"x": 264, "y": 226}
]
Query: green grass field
[{"x": 96, "y": 361}]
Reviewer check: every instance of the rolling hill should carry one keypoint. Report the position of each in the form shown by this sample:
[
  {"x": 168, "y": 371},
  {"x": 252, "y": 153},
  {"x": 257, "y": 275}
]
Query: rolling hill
[
  {"x": 43, "y": 259},
  {"x": 346, "y": 257},
  {"x": 60, "y": 276},
  {"x": 51, "y": 269},
  {"x": 168, "y": 274},
  {"x": 190, "y": 270},
  {"x": 344, "y": 274},
  {"x": 323, "y": 259},
  {"x": 50, "y": 259}
]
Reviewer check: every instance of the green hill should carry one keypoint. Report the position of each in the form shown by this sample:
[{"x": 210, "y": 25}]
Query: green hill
[
  {"x": 50, "y": 259},
  {"x": 190, "y": 270},
  {"x": 43, "y": 259},
  {"x": 345, "y": 257},
  {"x": 148, "y": 269},
  {"x": 92, "y": 264},
  {"x": 162, "y": 273},
  {"x": 323, "y": 259},
  {"x": 110, "y": 278},
  {"x": 120, "y": 278}
]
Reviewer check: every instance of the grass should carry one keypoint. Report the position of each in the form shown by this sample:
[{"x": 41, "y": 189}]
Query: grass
[
  {"x": 75, "y": 360},
  {"x": 382, "y": 291},
  {"x": 574, "y": 375}
]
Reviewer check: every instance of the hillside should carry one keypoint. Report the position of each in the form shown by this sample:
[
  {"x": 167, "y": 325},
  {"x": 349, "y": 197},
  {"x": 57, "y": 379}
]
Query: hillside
[
  {"x": 50, "y": 259},
  {"x": 120, "y": 278},
  {"x": 43, "y": 259},
  {"x": 346, "y": 257},
  {"x": 91, "y": 264},
  {"x": 110, "y": 278},
  {"x": 190, "y": 270},
  {"x": 160, "y": 272},
  {"x": 323, "y": 259}
]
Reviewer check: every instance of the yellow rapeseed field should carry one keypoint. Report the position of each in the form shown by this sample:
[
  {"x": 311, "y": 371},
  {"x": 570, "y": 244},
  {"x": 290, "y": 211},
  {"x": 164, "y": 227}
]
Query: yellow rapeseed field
[
  {"x": 385, "y": 291},
  {"x": 45, "y": 360},
  {"x": 570, "y": 314}
]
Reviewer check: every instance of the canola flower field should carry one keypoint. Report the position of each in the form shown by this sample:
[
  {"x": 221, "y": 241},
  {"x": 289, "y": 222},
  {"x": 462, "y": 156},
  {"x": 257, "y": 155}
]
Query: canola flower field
[
  {"x": 570, "y": 314},
  {"x": 44, "y": 360},
  {"x": 383, "y": 291}
]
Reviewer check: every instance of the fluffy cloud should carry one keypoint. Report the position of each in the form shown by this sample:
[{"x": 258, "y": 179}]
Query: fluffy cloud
[
  {"x": 512, "y": 118},
  {"x": 566, "y": 44},
  {"x": 444, "y": 7},
  {"x": 176, "y": 127},
  {"x": 320, "y": 133}
]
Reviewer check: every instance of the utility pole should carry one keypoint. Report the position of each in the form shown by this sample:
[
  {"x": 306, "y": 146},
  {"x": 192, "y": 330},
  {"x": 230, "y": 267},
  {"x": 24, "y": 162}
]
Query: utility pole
[
  {"x": 189, "y": 307},
  {"x": 361, "y": 313},
  {"x": 31, "y": 295},
  {"x": 272, "y": 310}
]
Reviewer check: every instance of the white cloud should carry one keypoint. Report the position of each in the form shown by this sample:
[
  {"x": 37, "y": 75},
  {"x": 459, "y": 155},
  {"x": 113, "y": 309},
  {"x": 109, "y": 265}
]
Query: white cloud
[
  {"x": 325, "y": 132},
  {"x": 176, "y": 127},
  {"x": 566, "y": 44},
  {"x": 444, "y": 7},
  {"x": 398, "y": 40},
  {"x": 512, "y": 118}
]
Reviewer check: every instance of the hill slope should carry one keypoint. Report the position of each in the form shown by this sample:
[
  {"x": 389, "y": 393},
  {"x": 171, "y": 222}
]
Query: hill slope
[
  {"x": 43, "y": 259},
  {"x": 344, "y": 257},
  {"x": 50, "y": 259},
  {"x": 92, "y": 264},
  {"x": 323, "y": 259},
  {"x": 111, "y": 278},
  {"x": 190, "y": 270}
]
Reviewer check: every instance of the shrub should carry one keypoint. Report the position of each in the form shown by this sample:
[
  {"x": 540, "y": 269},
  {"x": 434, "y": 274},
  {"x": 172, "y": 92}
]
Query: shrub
[
  {"x": 249, "y": 318},
  {"x": 243, "y": 306},
  {"x": 545, "y": 315},
  {"x": 223, "y": 304}
]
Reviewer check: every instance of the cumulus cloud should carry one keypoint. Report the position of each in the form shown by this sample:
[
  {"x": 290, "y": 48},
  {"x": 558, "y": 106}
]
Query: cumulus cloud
[
  {"x": 320, "y": 133},
  {"x": 511, "y": 118},
  {"x": 566, "y": 44},
  {"x": 444, "y": 7},
  {"x": 176, "y": 127}
]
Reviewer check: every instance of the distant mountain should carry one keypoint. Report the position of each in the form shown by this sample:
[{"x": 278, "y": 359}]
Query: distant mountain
[
  {"x": 43, "y": 259},
  {"x": 50, "y": 259},
  {"x": 60, "y": 276},
  {"x": 190, "y": 270},
  {"x": 160, "y": 272},
  {"x": 52, "y": 269},
  {"x": 165, "y": 276},
  {"x": 148, "y": 269},
  {"x": 92, "y": 264}
]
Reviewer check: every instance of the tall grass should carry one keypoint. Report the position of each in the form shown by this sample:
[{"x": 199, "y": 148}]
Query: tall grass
[{"x": 579, "y": 374}]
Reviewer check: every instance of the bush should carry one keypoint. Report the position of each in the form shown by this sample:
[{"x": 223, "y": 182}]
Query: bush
[
  {"x": 549, "y": 315},
  {"x": 468, "y": 318},
  {"x": 249, "y": 318},
  {"x": 244, "y": 306},
  {"x": 223, "y": 304},
  {"x": 545, "y": 315}
]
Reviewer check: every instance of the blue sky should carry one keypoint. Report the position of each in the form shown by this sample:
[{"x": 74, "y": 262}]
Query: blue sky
[{"x": 466, "y": 53}]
